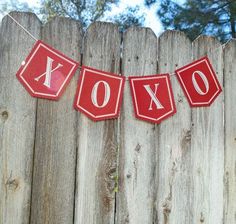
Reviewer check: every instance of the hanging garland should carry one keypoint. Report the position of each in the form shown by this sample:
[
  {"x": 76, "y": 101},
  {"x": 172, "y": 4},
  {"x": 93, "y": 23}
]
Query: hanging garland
[{"x": 46, "y": 73}]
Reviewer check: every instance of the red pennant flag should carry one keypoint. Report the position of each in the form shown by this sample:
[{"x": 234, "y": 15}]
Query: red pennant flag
[
  {"x": 46, "y": 72},
  {"x": 152, "y": 97},
  {"x": 199, "y": 82},
  {"x": 99, "y": 94}
]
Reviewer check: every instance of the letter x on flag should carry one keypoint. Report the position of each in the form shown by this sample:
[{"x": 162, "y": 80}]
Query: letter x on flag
[
  {"x": 46, "y": 72},
  {"x": 152, "y": 97}
]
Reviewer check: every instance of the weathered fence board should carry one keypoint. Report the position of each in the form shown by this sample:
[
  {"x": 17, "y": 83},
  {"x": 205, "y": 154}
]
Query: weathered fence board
[
  {"x": 97, "y": 143},
  {"x": 58, "y": 166},
  {"x": 207, "y": 144},
  {"x": 230, "y": 132},
  {"x": 17, "y": 121},
  {"x": 174, "y": 187},
  {"x": 135, "y": 197},
  {"x": 56, "y": 137}
]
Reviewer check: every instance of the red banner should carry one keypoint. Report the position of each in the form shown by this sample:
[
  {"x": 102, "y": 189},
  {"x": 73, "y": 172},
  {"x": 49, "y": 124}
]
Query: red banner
[
  {"x": 99, "y": 94},
  {"x": 152, "y": 97},
  {"x": 199, "y": 82},
  {"x": 46, "y": 72}
]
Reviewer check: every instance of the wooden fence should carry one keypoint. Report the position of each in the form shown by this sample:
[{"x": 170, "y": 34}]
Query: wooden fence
[{"x": 59, "y": 167}]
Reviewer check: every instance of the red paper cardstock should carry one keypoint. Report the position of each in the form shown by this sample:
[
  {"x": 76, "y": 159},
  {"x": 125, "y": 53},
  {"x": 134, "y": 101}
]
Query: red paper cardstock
[
  {"x": 153, "y": 98},
  {"x": 46, "y": 72},
  {"x": 199, "y": 82},
  {"x": 99, "y": 94}
]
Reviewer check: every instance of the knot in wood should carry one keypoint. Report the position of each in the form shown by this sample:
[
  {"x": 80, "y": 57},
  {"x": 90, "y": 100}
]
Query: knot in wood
[
  {"x": 167, "y": 206},
  {"x": 4, "y": 115},
  {"x": 127, "y": 219},
  {"x": 12, "y": 184},
  {"x": 111, "y": 173},
  {"x": 180, "y": 98},
  {"x": 188, "y": 135},
  {"x": 128, "y": 175},
  {"x": 202, "y": 218},
  {"x": 137, "y": 148},
  {"x": 166, "y": 211}
]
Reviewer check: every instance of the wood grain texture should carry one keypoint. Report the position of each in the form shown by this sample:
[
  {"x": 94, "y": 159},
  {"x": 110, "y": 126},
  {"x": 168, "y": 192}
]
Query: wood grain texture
[
  {"x": 135, "y": 198},
  {"x": 17, "y": 120},
  {"x": 97, "y": 143},
  {"x": 230, "y": 132},
  {"x": 59, "y": 167},
  {"x": 207, "y": 143},
  {"x": 173, "y": 180},
  {"x": 56, "y": 137}
]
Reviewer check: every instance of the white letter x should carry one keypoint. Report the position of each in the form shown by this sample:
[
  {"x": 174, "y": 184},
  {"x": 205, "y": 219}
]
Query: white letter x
[
  {"x": 48, "y": 72},
  {"x": 153, "y": 96}
]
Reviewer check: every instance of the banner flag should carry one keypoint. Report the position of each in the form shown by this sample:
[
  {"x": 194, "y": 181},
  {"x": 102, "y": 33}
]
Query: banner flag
[
  {"x": 46, "y": 72},
  {"x": 153, "y": 98},
  {"x": 199, "y": 82},
  {"x": 99, "y": 94}
]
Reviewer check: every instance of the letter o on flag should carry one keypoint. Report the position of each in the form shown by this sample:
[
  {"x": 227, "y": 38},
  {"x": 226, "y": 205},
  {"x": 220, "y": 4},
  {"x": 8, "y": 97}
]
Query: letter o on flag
[
  {"x": 95, "y": 93},
  {"x": 199, "y": 82},
  {"x": 195, "y": 84},
  {"x": 99, "y": 94}
]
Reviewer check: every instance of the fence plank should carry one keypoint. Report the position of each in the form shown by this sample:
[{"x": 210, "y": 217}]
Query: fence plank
[
  {"x": 135, "y": 197},
  {"x": 56, "y": 137},
  {"x": 17, "y": 120},
  {"x": 174, "y": 186},
  {"x": 169, "y": 173},
  {"x": 230, "y": 132},
  {"x": 97, "y": 144},
  {"x": 208, "y": 144}
]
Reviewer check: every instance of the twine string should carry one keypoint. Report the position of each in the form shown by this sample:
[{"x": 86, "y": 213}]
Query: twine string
[{"x": 22, "y": 27}]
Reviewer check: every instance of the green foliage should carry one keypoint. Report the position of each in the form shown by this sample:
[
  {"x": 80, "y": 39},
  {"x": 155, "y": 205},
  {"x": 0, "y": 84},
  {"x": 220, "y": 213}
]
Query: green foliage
[
  {"x": 130, "y": 17},
  {"x": 12, "y": 5},
  {"x": 86, "y": 11},
  {"x": 195, "y": 17},
  {"x": 150, "y": 2}
]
